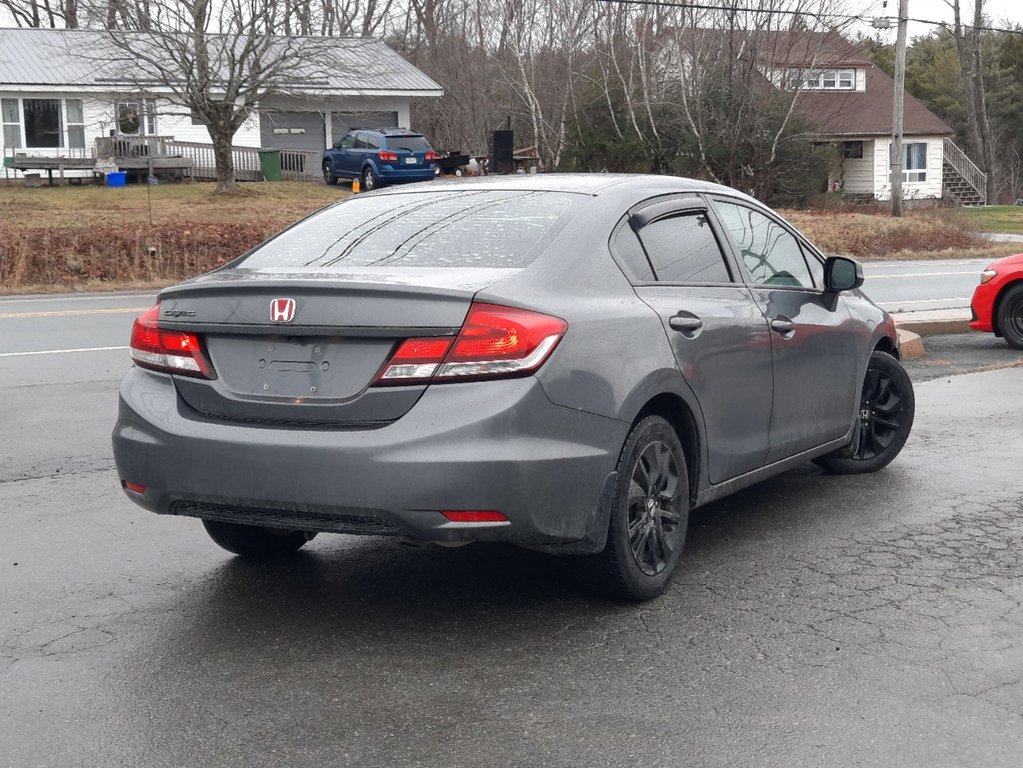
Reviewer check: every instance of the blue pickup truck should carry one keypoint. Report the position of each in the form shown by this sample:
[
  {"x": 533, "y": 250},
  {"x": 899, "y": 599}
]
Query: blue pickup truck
[{"x": 380, "y": 156}]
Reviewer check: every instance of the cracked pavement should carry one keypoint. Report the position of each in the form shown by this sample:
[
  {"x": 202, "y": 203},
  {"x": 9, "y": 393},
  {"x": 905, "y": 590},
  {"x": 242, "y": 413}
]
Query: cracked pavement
[{"x": 817, "y": 621}]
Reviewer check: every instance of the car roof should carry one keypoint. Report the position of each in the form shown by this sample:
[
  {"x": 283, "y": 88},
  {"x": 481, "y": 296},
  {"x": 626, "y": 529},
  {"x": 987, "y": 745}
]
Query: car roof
[
  {"x": 579, "y": 183},
  {"x": 392, "y": 131}
]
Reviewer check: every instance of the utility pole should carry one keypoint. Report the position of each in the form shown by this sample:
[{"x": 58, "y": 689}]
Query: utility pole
[{"x": 898, "y": 108}]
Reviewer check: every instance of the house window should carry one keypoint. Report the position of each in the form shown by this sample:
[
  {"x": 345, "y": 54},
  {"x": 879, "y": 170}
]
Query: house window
[
  {"x": 822, "y": 79},
  {"x": 136, "y": 118},
  {"x": 43, "y": 129},
  {"x": 10, "y": 117},
  {"x": 75, "y": 123},
  {"x": 914, "y": 162},
  {"x": 852, "y": 150}
]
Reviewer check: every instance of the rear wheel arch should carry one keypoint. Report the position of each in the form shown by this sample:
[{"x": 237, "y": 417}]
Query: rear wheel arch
[{"x": 676, "y": 411}]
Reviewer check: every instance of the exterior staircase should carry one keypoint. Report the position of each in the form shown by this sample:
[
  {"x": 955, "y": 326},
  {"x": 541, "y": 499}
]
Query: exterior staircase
[{"x": 962, "y": 182}]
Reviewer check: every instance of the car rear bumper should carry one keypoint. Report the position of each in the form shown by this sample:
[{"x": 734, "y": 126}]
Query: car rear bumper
[
  {"x": 393, "y": 175},
  {"x": 498, "y": 445}
]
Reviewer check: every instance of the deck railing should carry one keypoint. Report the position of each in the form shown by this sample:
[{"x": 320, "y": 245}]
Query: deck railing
[
  {"x": 300, "y": 165},
  {"x": 132, "y": 146},
  {"x": 204, "y": 164},
  {"x": 296, "y": 165},
  {"x": 966, "y": 168}
]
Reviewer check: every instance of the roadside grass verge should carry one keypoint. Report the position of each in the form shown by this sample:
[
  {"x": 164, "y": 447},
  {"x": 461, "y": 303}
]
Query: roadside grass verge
[
  {"x": 1006, "y": 219},
  {"x": 98, "y": 238},
  {"x": 937, "y": 234}
]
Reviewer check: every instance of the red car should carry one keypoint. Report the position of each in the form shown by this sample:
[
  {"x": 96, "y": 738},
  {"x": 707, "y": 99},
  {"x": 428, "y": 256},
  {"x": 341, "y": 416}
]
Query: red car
[{"x": 998, "y": 301}]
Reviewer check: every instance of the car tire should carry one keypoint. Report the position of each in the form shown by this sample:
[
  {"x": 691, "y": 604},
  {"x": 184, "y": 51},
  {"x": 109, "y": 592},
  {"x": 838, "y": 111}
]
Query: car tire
[
  {"x": 647, "y": 530},
  {"x": 328, "y": 175},
  {"x": 1010, "y": 317},
  {"x": 255, "y": 541},
  {"x": 887, "y": 407},
  {"x": 370, "y": 180}
]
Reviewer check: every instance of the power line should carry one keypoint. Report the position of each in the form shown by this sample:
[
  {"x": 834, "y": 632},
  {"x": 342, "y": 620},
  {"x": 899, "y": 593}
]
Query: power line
[
  {"x": 737, "y": 8},
  {"x": 945, "y": 24},
  {"x": 822, "y": 17}
]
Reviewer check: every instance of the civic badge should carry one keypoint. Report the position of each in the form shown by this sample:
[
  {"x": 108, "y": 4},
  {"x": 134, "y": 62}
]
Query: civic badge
[{"x": 282, "y": 310}]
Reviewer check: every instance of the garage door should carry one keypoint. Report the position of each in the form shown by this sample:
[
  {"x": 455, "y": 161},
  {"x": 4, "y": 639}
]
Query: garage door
[
  {"x": 293, "y": 130},
  {"x": 343, "y": 122}
]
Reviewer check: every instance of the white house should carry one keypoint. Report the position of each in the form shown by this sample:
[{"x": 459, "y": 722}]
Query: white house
[
  {"x": 57, "y": 97},
  {"x": 849, "y": 102}
]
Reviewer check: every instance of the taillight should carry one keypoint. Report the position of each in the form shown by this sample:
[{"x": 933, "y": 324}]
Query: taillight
[
  {"x": 163, "y": 350},
  {"x": 493, "y": 342},
  {"x": 431, "y": 155},
  {"x": 388, "y": 157}
]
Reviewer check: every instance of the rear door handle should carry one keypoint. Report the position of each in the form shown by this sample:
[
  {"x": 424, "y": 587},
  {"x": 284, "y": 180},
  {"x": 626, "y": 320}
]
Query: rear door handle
[
  {"x": 782, "y": 325},
  {"x": 685, "y": 323}
]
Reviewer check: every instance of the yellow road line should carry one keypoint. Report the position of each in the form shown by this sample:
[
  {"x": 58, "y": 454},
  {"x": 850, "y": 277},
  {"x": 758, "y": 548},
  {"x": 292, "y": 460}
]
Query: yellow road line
[{"x": 67, "y": 312}]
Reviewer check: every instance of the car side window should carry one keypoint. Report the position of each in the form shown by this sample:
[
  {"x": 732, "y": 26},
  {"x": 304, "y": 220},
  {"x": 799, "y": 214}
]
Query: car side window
[
  {"x": 771, "y": 253},
  {"x": 627, "y": 247},
  {"x": 816, "y": 266},
  {"x": 684, "y": 249},
  {"x": 347, "y": 142},
  {"x": 372, "y": 142}
]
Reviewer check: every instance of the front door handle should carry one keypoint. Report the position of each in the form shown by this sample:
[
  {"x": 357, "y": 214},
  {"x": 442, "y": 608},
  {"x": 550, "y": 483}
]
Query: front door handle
[
  {"x": 782, "y": 325},
  {"x": 685, "y": 323}
]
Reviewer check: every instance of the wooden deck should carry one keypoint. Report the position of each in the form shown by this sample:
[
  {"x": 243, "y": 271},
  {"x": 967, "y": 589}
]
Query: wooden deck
[
  {"x": 155, "y": 154},
  {"x": 151, "y": 165}
]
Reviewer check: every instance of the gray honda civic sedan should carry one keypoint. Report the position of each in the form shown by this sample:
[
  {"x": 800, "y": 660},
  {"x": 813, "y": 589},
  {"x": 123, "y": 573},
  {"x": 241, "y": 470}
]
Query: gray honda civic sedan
[{"x": 569, "y": 363}]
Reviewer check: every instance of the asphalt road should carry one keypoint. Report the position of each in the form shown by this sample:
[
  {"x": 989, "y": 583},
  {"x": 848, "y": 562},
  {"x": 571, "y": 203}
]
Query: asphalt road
[
  {"x": 911, "y": 286},
  {"x": 818, "y": 620}
]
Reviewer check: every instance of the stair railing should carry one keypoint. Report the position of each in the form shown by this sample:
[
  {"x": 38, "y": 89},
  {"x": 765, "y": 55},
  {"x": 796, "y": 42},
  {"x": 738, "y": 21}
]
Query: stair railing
[{"x": 966, "y": 168}]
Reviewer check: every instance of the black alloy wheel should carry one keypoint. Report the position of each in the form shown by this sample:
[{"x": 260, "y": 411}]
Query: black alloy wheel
[
  {"x": 328, "y": 175},
  {"x": 884, "y": 420},
  {"x": 654, "y": 508},
  {"x": 1010, "y": 317},
  {"x": 650, "y": 515}
]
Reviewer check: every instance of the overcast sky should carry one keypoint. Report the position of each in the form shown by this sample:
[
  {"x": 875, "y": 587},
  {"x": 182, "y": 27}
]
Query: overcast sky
[{"x": 998, "y": 11}]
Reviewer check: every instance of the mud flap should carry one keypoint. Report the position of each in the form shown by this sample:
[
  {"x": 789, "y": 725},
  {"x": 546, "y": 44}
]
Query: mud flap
[{"x": 596, "y": 532}]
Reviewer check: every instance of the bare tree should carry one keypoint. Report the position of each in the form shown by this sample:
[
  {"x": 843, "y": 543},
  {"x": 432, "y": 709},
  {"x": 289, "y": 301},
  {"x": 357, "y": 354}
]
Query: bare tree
[
  {"x": 969, "y": 47},
  {"x": 42, "y": 13},
  {"x": 218, "y": 59}
]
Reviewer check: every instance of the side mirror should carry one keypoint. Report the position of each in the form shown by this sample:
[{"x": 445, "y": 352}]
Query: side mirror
[{"x": 841, "y": 274}]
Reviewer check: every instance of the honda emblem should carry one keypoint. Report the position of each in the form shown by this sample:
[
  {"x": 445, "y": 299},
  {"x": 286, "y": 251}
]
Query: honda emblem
[{"x": 282, "y": 310}]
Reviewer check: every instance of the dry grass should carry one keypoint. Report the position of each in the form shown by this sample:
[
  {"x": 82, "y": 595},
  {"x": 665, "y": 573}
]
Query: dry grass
[
  {"x": 101, "y": 238},
  {"x": 97, "y": 238},
  {"x": 938, "y": 234},
  {"x": 171, "y": 204}
]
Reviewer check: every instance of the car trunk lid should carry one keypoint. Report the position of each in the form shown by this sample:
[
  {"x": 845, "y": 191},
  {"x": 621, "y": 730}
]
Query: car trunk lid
[{"x": 305, "y": 346}]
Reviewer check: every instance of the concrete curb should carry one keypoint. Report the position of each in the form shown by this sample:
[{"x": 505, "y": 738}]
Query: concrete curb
[
  {"x": 911, "y": 346},
  {"x": 934, "y": 322},
  {"x": 933, "y": 327}
]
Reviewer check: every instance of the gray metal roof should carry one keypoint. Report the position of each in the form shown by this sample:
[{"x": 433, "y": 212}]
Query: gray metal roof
[{"x": 88, "y": 58}]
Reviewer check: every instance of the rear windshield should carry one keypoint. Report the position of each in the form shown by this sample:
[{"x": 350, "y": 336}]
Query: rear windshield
[
  {"x": 486, "y": 228},
  {"x": 411, "y": 143}
]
